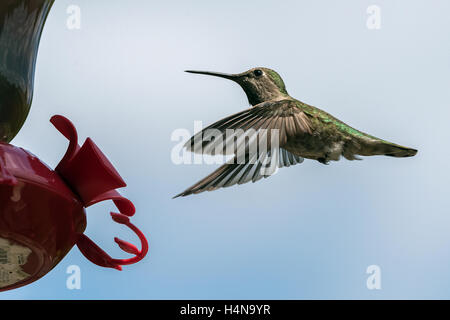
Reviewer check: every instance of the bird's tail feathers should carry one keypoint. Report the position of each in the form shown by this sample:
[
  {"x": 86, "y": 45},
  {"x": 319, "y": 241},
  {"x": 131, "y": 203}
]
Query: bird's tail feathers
[{"x": 391, "y": 150}]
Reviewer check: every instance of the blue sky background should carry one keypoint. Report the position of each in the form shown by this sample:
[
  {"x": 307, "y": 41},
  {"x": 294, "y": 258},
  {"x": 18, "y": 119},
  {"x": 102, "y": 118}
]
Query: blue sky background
[{"x": 311, "y": 230}]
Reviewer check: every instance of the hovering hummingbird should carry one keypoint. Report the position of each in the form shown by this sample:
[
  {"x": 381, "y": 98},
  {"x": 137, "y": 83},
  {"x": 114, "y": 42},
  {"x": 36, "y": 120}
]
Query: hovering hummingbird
[{"x": 303, "y": 131}]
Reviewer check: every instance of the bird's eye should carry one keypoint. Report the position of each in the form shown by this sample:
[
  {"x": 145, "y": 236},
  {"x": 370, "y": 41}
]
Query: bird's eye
[{"x": 258, "y": 72}]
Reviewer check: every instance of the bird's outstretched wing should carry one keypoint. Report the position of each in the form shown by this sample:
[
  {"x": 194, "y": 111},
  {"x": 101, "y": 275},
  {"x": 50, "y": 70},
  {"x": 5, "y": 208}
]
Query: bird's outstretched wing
[
  {"x": 283, "y": 118},
  {"x": 231, "y": 173},
  {"x": 256, "y": 137}
]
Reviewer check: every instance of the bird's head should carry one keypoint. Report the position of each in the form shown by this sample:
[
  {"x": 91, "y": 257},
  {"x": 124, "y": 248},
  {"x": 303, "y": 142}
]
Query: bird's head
[{"x": 259, "y": 84}]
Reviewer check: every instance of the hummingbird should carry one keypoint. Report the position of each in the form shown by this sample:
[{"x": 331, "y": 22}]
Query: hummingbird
[{"x": 303, "y": 131}]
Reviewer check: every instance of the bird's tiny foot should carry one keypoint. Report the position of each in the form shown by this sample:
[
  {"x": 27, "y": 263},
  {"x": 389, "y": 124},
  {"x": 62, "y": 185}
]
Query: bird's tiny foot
[{"x": 323, "y": 160}]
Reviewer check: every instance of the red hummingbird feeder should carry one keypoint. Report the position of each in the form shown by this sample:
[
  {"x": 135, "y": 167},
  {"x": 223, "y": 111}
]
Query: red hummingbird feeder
[{"x": 42, "y": 211}]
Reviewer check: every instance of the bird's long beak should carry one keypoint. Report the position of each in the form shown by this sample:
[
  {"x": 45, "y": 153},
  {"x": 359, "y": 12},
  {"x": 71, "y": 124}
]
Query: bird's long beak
[{"x": 216, "y": 74}]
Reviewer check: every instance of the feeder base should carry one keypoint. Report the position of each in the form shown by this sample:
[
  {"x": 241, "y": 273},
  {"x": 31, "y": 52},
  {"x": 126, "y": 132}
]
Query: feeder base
[{"x": 18, "y": 263}]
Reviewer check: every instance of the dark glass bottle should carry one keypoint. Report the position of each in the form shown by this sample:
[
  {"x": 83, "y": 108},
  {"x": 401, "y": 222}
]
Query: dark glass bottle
[{"x": 21, "y": 24}]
